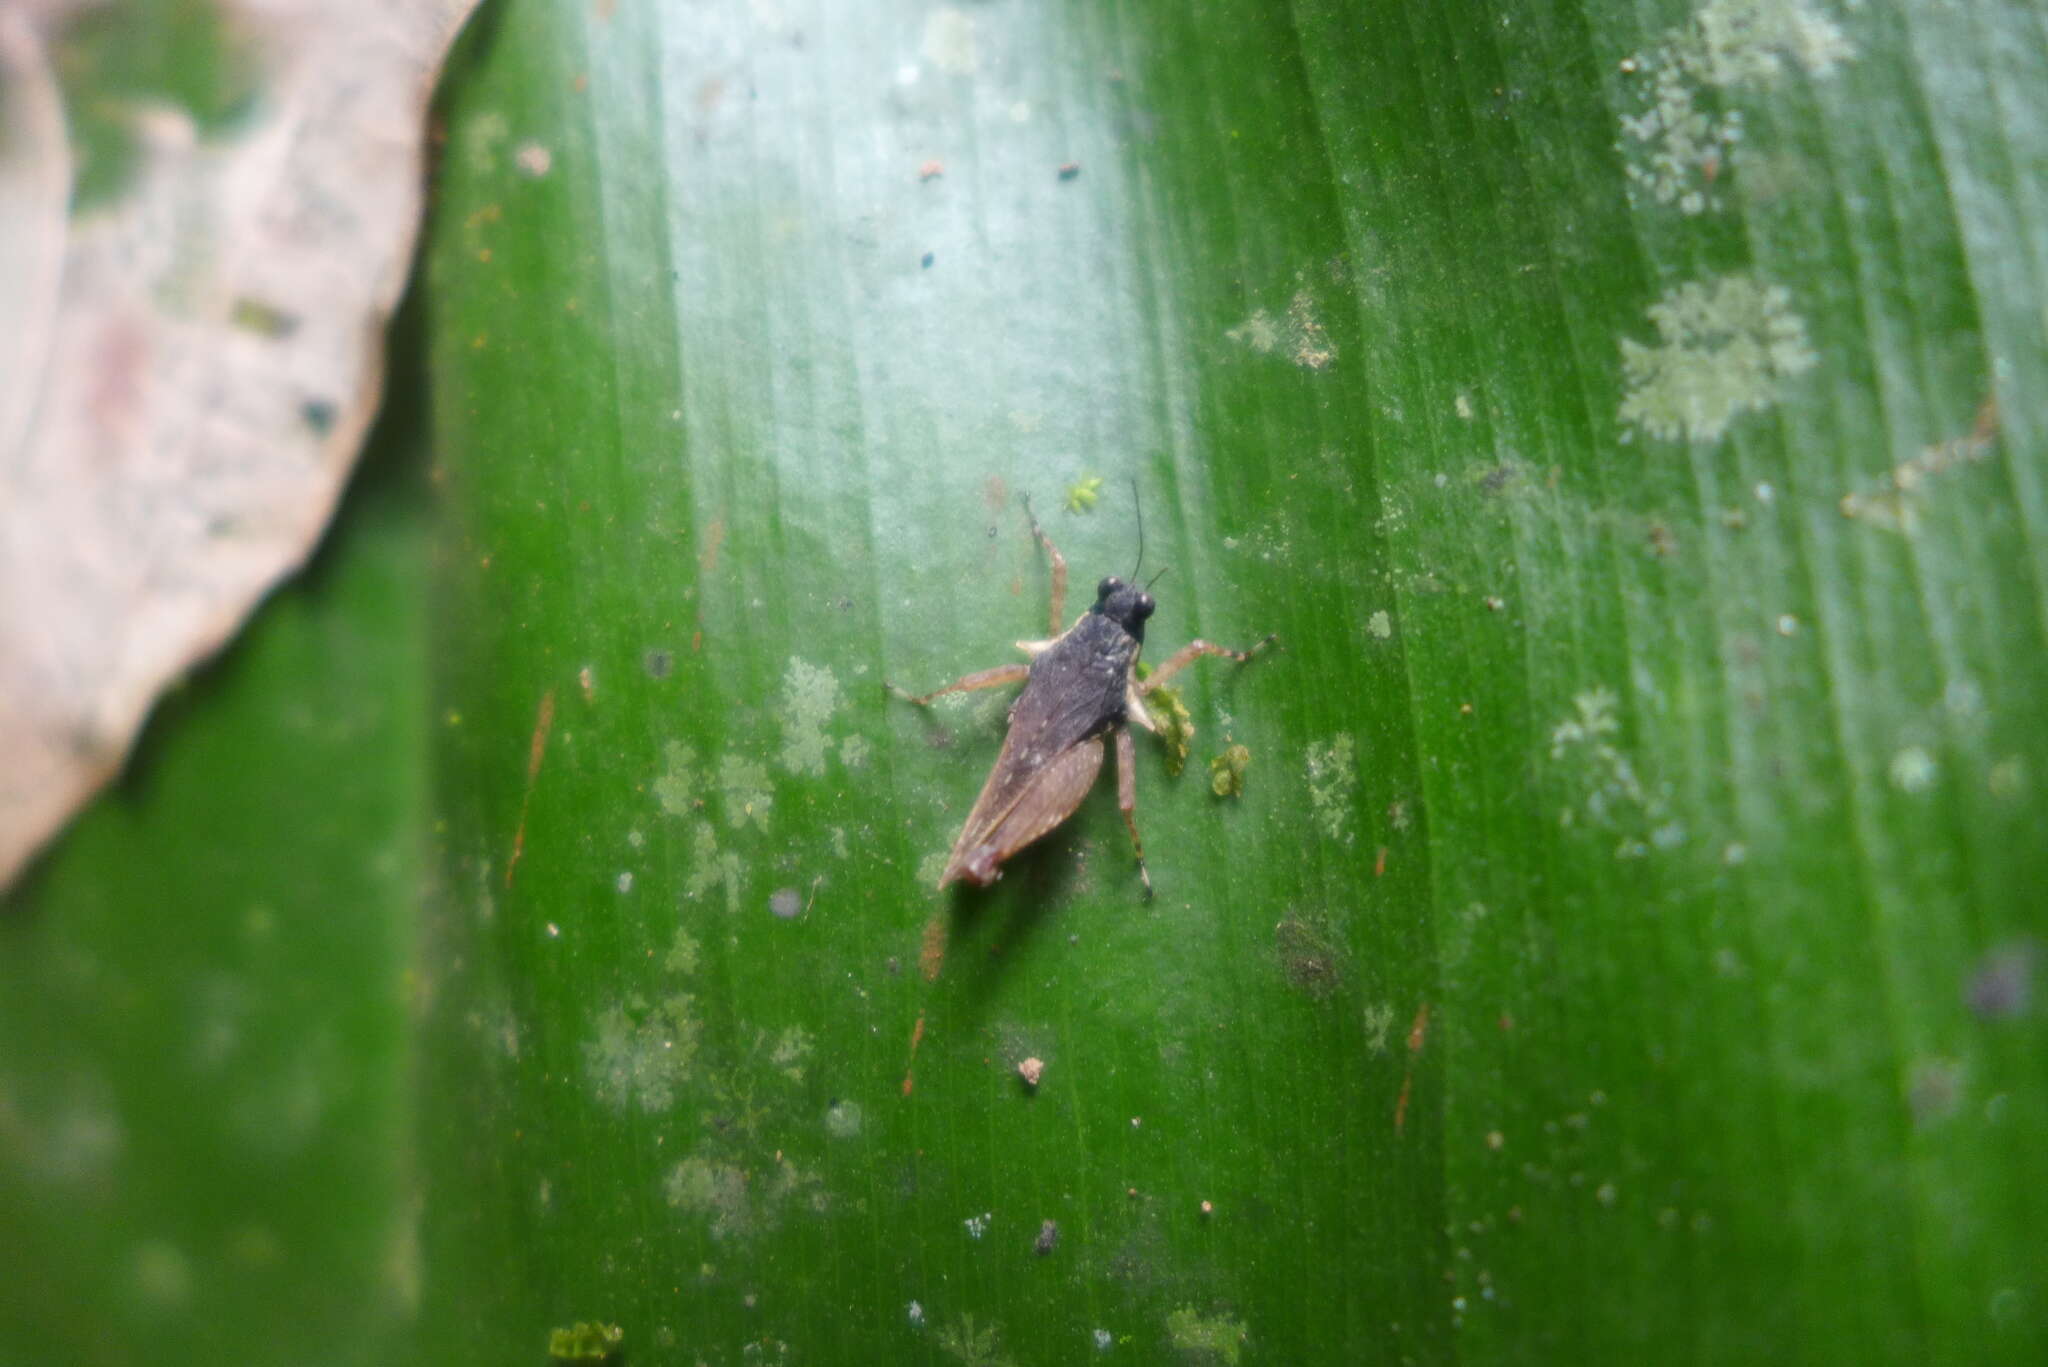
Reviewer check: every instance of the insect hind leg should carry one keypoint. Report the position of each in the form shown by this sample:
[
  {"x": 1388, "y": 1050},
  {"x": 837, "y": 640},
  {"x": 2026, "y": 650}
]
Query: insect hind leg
[{"x": 987, "y": 678}]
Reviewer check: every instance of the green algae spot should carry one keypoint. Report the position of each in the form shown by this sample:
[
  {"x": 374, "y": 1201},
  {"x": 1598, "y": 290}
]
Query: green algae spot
[
  {"x": 810, "y": 695},
  {"x": 1724, "y": 347},
  {"x": 1206, "y": 1337},
  {"x": 642, "y": 1052},
  {"x": 585, "y": 1342}
]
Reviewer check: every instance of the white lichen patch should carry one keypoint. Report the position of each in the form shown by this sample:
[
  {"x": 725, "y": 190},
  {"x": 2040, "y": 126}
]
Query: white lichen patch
[
  {"x": 1612, "y": 795},
  {"x": 844, "y": 1119},
  {"x": 736, "y": 1202},
  {"x": 810, "y": 695},
  {"x": 716, "y": 1190},
  {"x": 743, "y": 783},
  {"x": 1594, "y": 718},
  {"x": 711, "y": 867},
  {"x": 1761, "y": 40},
  {"x": 679, "y": 787},
  {"x": 1378, "y": 1020},
  {"x": 643, "y": 1051},
  {"x": 499, "y": 1026},
  {"x": 792, "y": 1047},
  {"x": 1300, "y": 336},
  {"x": 1682, "y": 141},
  {"x": 1206, "y": 1338},
  {"x": 1676, "y": 146},
  {"x": 1309, "y": 345},
  {"x": 682, "y": 954},
  {"x": 1259, "y": 332},
  {"x": 1332, "y": 774},
  {"x": 1724, "y": 347}
]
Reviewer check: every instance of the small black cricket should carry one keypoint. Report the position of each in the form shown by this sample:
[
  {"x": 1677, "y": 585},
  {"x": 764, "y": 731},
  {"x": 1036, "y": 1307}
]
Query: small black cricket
[{"x": 1080, "y": 684}]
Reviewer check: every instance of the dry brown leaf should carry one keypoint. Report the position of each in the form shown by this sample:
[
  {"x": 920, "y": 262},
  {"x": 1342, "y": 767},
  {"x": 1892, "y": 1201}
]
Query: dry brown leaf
[{"x": 187, "y": 374}]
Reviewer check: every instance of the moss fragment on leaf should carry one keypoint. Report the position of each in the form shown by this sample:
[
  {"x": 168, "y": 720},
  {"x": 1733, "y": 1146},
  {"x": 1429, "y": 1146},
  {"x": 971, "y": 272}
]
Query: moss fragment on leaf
[
  {"x": 585, "y": 1342},
  {"x": 1226, "y": 771},
  {"x": 1206, "y": 1338},
  {"x": 1176, "y": 724}
]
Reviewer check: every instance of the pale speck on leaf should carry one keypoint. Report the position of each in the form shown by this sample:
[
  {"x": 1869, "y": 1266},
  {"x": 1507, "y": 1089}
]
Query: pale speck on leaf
[
  {"x": 748, "y": 797},
  {"x": 1913, "y": 770},
  {"x": 1332, "y": 774}
]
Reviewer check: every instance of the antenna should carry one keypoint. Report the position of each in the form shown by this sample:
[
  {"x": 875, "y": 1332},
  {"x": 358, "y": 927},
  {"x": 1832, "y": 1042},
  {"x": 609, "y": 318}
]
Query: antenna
[{"x": 1138, "y": 504}]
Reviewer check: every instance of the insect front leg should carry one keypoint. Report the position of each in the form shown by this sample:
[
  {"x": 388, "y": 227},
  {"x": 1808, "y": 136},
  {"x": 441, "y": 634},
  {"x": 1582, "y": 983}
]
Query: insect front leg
[
  {"x": 1059, "y": 568},
  {"x": 1193, "y": 651},
  {"x": 1127, "y": 798},
  {"x": 987, "y": 678}
]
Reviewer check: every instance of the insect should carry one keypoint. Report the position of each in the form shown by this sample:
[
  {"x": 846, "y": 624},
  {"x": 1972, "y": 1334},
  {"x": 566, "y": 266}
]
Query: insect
[{"x": 1080, "y": 687}]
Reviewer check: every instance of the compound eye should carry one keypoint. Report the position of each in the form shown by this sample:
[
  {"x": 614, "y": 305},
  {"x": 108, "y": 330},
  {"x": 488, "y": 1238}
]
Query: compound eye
[
  {"x": 1108, "y": 586},
  {"x": 1144, "y": 607}
]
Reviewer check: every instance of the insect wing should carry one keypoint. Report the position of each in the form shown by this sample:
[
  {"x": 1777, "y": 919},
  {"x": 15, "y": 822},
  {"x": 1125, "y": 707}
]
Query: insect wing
[{"x": 1015, "y": 808}]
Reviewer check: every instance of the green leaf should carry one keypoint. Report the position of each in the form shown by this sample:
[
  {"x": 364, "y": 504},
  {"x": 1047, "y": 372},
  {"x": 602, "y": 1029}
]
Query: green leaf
[
  {"x": 1635, "y": 821},
  {"x": 1632, "y": 424}
]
